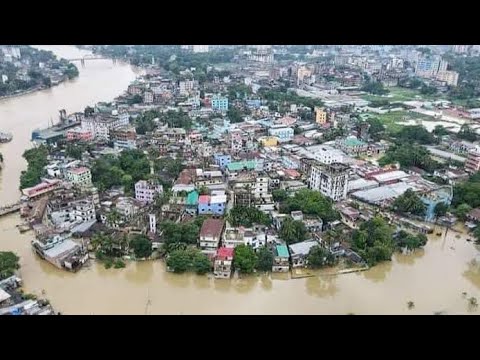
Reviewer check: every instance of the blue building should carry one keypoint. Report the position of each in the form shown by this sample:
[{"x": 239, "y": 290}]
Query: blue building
[
  {"x": 222, "y": 160},
  {"x": 282, "y": 133},
  {"x": 211, "y": 205},
  {"x": 432, "y": 198},
  {"x": 220, "y": 103},
  {"x": 254, "y": 103}
]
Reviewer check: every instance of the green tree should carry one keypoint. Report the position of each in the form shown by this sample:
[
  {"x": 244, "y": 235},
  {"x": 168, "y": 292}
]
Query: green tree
[
  {"x": 311, "y": 202},
  {"x": 462, "y": 210},
  {"x": 409, "y": 203},
  {"x": 179, "y": 261},
  {"x": 142, "y": 246},
  {"x": 440, "y": 209},
  {"x": 264, "y": 259},
  {"x": 201, "y": 264},
  {"x": 136, "y": 99},
  {"x": 374, "y": 241},
  {"x": 466, "y": 133},
  {"x": 279, "y": 195},
  {"x": 410, "y": 241},
  {"x": 292, "y": 231},
  {"x": 440, "y": 130},
  {"x": 88, "y": 111},
  {"x": 37, "y": 160},
  {"x": 374, "y": 87},
  {"x": 319, "y": 257},
  {"x": 376, "y": 129},
  {"x": 8, "y": 264},
  {"x": 244, "y": 259},
  {"x": 247, "y": 216}
]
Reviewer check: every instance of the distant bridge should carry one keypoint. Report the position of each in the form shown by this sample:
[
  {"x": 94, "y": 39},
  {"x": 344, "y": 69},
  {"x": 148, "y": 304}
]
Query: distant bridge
[{"x": 85, "y": 58}]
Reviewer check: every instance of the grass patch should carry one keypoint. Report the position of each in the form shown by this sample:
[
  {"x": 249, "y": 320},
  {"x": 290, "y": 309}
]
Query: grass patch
[
  {"x": 400, "y": 94},
  {"x": 394, "y": 121}
]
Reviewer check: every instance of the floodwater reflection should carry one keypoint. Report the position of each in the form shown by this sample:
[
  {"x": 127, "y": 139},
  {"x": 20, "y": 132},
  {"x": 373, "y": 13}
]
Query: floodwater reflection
[{"x": 321, "y": 286}]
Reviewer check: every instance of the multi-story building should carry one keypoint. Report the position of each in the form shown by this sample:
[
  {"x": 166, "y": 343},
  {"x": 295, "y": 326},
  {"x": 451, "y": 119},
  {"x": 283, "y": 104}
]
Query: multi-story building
[
  {"x": 260, "y": 190},
  {"x": 210, "y": 236},
  {"x": 427, "y": 66},
  {"x": 352, "y": 146},
  {"x": 81, "y": 177},
  {"x": 222, "y": 160},
  {"x": 134, "y": 89},
  {"x": 281, "y": 259},
  {"x": 320, "y": 115},
  {"x": 331, "y": 180},
  {"x": 284, "y": 134},
  {"x": 145, "y": 191},
  {"x": 222, "y": 268},
  {"x": 148, "y": 97},
  {"x": 124, "y": 138},
  {"x": 219, "y": 103},
  {"x": 79, "y": 134},
  {"x": 66, "y": 212},
  {"x": 299, "y": 252},
  {"x": 472, "y": 165},
  {"x": 186, "y": 86},
  {"x": 212, "y": 204},
  {"x": 449, "y": 77},
  {"x": 101, "y": 126}
]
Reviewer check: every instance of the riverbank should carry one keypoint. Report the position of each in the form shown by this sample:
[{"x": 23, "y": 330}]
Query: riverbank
[{"x": 36, "y": 89}]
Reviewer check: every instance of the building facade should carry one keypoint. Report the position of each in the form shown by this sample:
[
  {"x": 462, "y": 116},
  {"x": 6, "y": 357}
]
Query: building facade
[
  {"x": 146, "y": 191},
  {"x": 331, "y": 180},
  {"x": 81, "y": 177}
]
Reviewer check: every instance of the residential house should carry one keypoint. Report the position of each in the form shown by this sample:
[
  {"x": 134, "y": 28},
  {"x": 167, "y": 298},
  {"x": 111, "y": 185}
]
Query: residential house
[
  {"x": 210, "y": 236},
  {"x": 212, "y": 204},
  {"x": 222, "y": 268},
  {"x": 281, "y": 259},
  {"x": 299, "y": 252}
]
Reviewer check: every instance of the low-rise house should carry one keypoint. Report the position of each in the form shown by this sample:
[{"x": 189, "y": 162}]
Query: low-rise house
[
  {"x": 474, "y": 215},
  {"x": 210, "y": 236},
  {"x": 191, "y": 203},
  {"x": 45, "y": 187},
  {"x": 223, "y": 263},
  {"x": 281, "y": 259},
  {"x": 349, "y": 216},
  {"x": 61, "y": 252},
  {"x": 299, "y": 252},
  {"x": 352, "y": 146}
]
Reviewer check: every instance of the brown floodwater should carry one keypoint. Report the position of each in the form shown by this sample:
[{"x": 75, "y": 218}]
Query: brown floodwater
[{"x": 434, "y": 278}]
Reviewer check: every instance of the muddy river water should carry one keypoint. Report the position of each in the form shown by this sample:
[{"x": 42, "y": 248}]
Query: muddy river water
[{"x": 433, "y": 278}]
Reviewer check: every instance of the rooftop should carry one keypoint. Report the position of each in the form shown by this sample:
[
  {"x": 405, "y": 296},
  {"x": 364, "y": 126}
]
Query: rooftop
[
  {"x": 302, "y": 248},
  {"x": 239, "y": 165},
  {"x": 192, "y": 198},
  {"x": 282, "y": 251},
  {"x": 61, "y": 249},
  {"x": 212, "y": 228},
  {"x": 224, "y": 252}
]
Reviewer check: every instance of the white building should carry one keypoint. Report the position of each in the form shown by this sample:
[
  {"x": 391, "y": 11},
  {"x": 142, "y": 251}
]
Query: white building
[
  {"x": 146, "y": 191},
  {"x": 153, "y": 223},
  {"x": 331, "y": 180},
  {"x": 80, "y": 176},
  {"x": 450, "y": 77},
  {"x": 100, "y": 126},
  {"x": 185, "y": 87},
  {"x": 200, "y": 48},
  {"x": 148, "y": 97}
]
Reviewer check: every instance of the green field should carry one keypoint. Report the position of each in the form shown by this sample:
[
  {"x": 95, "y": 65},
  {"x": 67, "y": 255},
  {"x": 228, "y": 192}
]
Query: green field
[
  {"x": 398, "y": 94},
  {"x": 393, "y": 120}
]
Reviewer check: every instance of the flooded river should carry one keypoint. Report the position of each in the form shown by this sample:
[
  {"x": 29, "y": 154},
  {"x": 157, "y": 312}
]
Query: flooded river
[{"x": 433, "y": 278}]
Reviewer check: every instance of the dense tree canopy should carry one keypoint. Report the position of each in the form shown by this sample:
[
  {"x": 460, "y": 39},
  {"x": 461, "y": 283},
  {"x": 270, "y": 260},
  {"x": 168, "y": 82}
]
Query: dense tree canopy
[
  {"x": 408, "y": 155},
  {"x": 188, "y": 259},
  {"x": 264, "y": 259},
  {"x": 8, "y": 264},
  {"x": 410, "y": 241},
  {"x": 409, "y": 203},
  {"x": 292, "y": 231},
  {"x": 373, "y": 241},
  {"x": 319, "y": 257},
  {"x": 247, "y": 216},
  {"x": 142, "y": 246},
  {"x": 244, "y": 259},
  {"x": 37, "y": 160},
  {"x": 374, "y": 87},
  {"x": 310, "y": 202},
  {"x": 415, "y": 133}
]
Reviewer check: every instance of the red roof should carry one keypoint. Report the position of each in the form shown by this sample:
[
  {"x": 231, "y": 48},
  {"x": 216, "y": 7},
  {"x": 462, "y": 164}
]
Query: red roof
[
  {"x": 224, "y": 253},
  {"x": 292, "y": 173},
  {"x": 212, "y": 228},
  {"x": 204, "y": 199}
]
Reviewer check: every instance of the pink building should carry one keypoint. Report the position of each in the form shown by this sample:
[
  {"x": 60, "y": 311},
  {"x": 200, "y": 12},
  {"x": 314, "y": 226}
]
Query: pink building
[
  {"x": 44, "y": 187},
  {"x": 79, "y": 134},
  {"x": 145, "y": 191}
]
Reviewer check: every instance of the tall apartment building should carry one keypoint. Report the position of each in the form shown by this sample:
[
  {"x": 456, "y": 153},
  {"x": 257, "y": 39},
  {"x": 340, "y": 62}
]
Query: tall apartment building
[
  {"x": 145, "y": 191},
  {"x": 330, "y": 179},
  {"x": 320, "y": 115},
  {"x": 81, "y": 177},
  {"x": 472, "y": 165},
  {"x": 450, "y": 77},
  {"x": 220, "y": 103},
  {"x": 101, "y": 126}
]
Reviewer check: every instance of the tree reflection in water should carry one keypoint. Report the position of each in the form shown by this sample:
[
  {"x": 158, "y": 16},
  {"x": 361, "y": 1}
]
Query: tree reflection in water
[
  {"x": 202, "y": 281},
  {"x": 472, "y": 273},
  {"x": 266, "y": 282},
  {"x": 245, "y": 284},
  {"x": 409, "y": 259},
  {"x": 321, "y": 286},
  {"x": 378, "y": 272},
  {"x": 177, "y": 280},
  {"x": 139, "y": 272}
]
